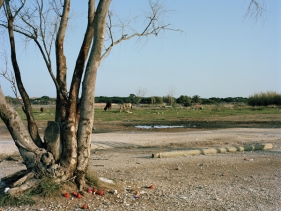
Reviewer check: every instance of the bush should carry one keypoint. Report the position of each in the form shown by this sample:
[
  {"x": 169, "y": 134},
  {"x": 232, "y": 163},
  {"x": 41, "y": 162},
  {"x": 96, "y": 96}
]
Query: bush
[
  {"x": 8, "y": 200},
  {"x": 196, "y": 99},
  {"x": 47, "y": 188},
  {"x": 92, "y": 178},
  {"x": 185, "y": 100},
  {"x": 265, "y": 99}
]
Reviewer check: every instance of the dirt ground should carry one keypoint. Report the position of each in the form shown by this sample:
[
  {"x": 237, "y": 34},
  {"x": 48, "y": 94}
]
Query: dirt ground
[{"x": 225, "y": 181}]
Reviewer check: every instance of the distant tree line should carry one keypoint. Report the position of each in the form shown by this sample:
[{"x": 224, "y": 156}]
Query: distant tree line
[
  {"x": 183, "y": 99},
  {"x": 44, "y": 100},
  {"x": 260, "y": 99}
]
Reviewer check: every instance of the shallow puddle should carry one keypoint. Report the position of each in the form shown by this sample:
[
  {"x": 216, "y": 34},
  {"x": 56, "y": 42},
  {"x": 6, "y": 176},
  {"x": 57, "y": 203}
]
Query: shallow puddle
[{"x": 158, "y": 126}]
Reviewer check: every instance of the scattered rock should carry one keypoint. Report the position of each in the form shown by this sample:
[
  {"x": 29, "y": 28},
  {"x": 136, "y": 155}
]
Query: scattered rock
[{"x": 178, "y": 168}]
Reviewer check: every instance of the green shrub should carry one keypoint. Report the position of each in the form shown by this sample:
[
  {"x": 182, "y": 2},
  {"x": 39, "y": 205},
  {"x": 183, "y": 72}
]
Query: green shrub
[
  {"x": 185, "y": 100},
  {"x": 47, "y": 188},
  {"x": 265, "y": 99},
  {"x": 92, "y": 178},
  {"x": 8, "y": 200}
]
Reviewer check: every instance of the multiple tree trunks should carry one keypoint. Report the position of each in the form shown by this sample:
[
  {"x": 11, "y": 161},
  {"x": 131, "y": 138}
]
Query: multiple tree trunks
[{"x": 65, "y": 151}]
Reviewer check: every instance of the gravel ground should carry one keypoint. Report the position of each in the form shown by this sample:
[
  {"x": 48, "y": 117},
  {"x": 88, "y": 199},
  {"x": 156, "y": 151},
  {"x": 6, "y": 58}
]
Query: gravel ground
[{"x": 230, "y": 181}]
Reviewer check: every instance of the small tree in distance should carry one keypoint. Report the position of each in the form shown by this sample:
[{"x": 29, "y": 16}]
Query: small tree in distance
[
  {"x": 196, "y": 99},
  {"x": 156, "y": 100},
  {"x": 152, "y": 100},
  {"x": 185, "y": 100},
  {"x": 170, "y": 96},
  {"x": 140, "y": 93}
]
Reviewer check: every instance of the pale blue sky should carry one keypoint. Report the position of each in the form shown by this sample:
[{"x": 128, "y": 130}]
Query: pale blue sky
[{"x": 219, "y": 53}]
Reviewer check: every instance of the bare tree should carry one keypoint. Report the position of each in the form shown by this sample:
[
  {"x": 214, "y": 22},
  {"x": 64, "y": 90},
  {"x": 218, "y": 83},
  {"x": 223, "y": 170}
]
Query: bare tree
[
  {"x": 152, "y": 100},
  {"x": 140, "y": 93},
  {"x": 65, "y": 151},
  {"x": 170, "y": 96}
]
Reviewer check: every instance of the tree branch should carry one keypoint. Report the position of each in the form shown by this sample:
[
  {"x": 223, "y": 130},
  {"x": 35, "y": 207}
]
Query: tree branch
[
  {"x": 1, "y": 3},
  {"x": 153, "y": 27},
  {"x": 61, "y": 64},
  {"x": 11, "y": 79},
  {"x": 32, "y": 127},
  {"x": 256, "y": 10},
  {"x": 30, "y": 30}
]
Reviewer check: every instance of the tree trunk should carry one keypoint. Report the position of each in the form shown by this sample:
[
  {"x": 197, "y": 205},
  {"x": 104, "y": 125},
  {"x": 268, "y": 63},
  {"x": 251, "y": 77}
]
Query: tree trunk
[
  {"x": 80, "y": 65},
  {"x": 32, "y": 126},
  {"x": 68, "y": 128},
  {"x": 88, "y": 93},
  {"x": 73, "y": 112},
  {"x": 61, "y": 65}
]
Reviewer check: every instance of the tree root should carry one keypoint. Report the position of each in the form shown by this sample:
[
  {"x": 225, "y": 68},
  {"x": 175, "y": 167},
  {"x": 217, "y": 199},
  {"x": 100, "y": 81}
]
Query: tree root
[
  {"x": 10, "y": 179},
  {"x": 44, "y": 166},
  {"x": 30, "y": 180},
  {"x": 80, "y": 179},
  {"x": 25, "y": 182},
  {"x": 25, "y": 186},
  {"x": 22, "y": 180}
]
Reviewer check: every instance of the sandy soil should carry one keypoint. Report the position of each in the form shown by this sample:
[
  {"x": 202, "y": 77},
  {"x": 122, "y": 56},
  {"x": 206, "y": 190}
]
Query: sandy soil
[{"x": 231, "y": 181}]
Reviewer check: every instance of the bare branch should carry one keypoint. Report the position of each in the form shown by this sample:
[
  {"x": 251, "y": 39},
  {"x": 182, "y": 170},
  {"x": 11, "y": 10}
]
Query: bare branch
[
  {"x": 256, "y": 10},
  {"x": 1, "y": 3},
  {"x": 155, "y": 25},
  {"x": 140, "y": 93},
  {"x": 32, "y": 127},
  {"x": 9, "y": 76},
  {"x": 16, "y": 9},
  {"x": 56, "y": 7},
  {"x": 109, "y": 27},
  {"x": 42, "y": 32}
]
